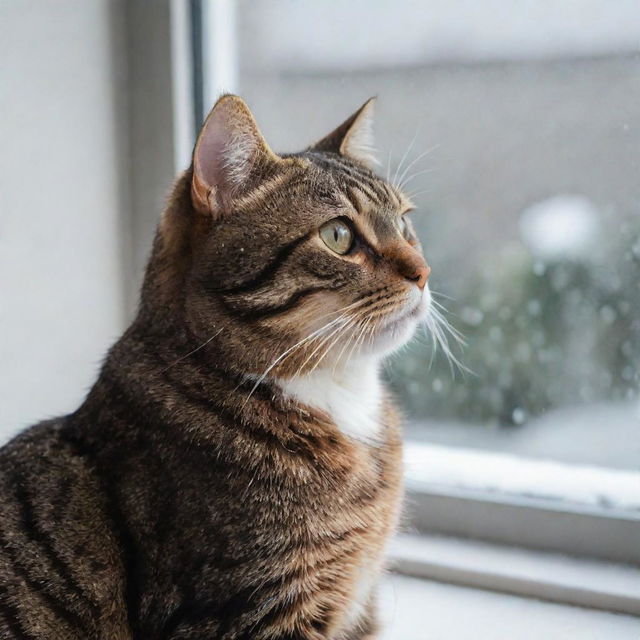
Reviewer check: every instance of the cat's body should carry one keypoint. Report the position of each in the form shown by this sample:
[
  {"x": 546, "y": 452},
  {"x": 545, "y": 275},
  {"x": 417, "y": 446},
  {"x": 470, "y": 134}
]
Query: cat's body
[
  {"x": 209, "y": 487},
  {"x": 216, "y": 515}
]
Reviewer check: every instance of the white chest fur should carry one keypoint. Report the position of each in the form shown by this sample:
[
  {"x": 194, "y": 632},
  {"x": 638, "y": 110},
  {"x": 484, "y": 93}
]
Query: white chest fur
[{"x": 351, "y": 396}]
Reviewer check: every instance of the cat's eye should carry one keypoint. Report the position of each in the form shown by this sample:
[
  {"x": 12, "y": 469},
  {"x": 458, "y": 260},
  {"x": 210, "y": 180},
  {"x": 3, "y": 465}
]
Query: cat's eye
[
  {"x": 337, "y": 235},
  {"x": 406, "y": 231}
]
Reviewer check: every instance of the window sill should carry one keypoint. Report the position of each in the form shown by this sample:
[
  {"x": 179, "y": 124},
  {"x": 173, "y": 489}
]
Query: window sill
[
  {"x": 537, "y": 504},
  {"x": 533, "y": 574},
  {"x": 577, "y": 485},
  {"x": 415, "y": 609}
]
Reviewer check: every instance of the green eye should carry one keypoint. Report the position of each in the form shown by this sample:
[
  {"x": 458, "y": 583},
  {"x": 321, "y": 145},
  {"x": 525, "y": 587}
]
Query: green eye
[
  {"x": 405, "y": 229},
  {"x": 337, "y": 235}
]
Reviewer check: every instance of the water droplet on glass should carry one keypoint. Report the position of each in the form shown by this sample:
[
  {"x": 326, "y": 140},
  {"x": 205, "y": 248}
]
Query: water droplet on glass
[
  {"x": 628, "y": 373},
  {"x": 472, "y": 316},
  {"x": 626, "y": 348},
  {"x": 608, "y": 314},
  {"x": 534, "y": 307},
  {"x": 539, "y": 268},
  {"x": 523, "y": 352}
]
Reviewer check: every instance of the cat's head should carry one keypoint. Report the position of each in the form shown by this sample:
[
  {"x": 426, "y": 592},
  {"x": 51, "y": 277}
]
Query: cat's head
[{"x": 288, "y": 261}]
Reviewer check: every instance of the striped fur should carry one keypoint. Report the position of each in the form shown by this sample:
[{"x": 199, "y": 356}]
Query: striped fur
[{"x": 195, "y": 494}]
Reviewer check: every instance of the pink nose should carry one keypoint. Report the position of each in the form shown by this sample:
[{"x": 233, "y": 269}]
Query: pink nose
[
  {"x": 420, "y": 275},
  {"x": 410, "y": 264}
]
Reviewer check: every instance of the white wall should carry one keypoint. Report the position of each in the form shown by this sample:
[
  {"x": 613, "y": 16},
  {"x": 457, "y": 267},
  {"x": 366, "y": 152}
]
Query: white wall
[{"x": 63, "y": 195}]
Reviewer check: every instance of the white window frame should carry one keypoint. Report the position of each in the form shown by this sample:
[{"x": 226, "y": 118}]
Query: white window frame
[
  {"x": 161, "y": 116},
  {"x": 163, "y": 110}
]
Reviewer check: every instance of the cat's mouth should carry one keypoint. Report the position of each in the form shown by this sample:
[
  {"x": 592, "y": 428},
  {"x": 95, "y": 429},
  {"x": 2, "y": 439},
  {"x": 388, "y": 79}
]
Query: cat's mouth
[
  {"x": 398, "y": 328},
  {"x": 414, "y": 308}
]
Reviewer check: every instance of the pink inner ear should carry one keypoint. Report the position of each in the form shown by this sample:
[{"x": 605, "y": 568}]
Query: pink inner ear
[
  {"x": 226, "y": 152},
  {"x": 210, "y": 151},
  {"x": 211, "y": 179},
  {"x": 210, "y": 158}
]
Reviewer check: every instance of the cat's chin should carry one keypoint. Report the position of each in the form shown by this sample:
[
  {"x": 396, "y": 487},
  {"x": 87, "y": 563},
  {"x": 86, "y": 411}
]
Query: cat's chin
[{"x": 393, "y": 337}]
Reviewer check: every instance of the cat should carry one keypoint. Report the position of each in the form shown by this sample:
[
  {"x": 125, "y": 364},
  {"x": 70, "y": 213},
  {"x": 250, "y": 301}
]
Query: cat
[{"x": 235, "y": 472}]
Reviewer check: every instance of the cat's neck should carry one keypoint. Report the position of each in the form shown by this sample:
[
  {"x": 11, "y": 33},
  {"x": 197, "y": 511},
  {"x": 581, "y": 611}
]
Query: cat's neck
[{"x": 351, "y": 396}]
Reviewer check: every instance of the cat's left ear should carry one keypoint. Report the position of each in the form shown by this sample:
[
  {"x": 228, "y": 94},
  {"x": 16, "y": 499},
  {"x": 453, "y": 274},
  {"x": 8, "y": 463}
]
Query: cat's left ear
[
  {"x": 353, "y": 138},
  {"x": 230, "y": 157}
]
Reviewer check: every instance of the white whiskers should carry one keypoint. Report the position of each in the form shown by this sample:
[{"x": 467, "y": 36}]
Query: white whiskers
[
  {"x": 440, "y": 331},
  {"x": 358, "y": 330},
  {"x": 289, "y": 351},
  {"x": 404, "y": 157},
  {"x": 403, "y": 180}
]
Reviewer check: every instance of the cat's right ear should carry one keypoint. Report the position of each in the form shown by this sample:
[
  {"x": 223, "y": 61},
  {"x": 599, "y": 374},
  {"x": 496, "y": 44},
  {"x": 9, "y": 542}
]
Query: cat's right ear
[
  {"x": 353, "y": 138},
  {"x": 230, "y": 156}
]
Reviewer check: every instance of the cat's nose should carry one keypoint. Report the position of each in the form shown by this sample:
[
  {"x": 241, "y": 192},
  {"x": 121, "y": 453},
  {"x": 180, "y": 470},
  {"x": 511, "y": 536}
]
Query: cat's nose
[
  {"x": 420, "y": 275},
  {"x": 412, "y": 266}
]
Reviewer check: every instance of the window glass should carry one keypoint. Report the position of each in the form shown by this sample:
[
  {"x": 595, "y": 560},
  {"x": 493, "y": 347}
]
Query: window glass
[{"x": 518, "y": 139}]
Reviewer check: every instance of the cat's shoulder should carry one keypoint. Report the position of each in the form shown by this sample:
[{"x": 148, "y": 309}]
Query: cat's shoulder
[{"x": 44, "y": 455}]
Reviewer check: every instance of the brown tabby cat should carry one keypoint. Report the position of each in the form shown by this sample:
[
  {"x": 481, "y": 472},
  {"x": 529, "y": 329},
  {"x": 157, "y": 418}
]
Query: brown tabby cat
[{"x": 235, "y": 472}]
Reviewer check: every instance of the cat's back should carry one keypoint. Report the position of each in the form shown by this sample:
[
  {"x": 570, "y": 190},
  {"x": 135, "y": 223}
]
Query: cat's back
[{"x": 59, "y": 560}]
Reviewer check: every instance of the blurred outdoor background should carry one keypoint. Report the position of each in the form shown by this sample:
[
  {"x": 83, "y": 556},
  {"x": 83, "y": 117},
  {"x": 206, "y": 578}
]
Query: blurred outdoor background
[
  {"x": 518, "y": 126},
  {"x": 528, "y": 196}
]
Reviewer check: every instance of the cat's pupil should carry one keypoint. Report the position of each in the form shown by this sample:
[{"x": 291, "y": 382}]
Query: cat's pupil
[{"x": 337, "y": 236}]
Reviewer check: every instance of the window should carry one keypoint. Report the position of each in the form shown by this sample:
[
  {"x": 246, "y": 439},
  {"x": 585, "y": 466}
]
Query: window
[
  {"x": 517, "y": 139},
  {"x": 515, "y": 127}
]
